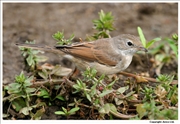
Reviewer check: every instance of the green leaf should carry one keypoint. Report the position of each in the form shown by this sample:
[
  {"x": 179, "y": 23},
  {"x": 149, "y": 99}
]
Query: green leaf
[
  {"x": 104, "y": 25},
  {"x": 122, "y": 89},
  {"x": 26, "y": 110},
  {"x": 175, "y": 37},
  {"x": 71, "y": 38},
  {"x": 41, "y": 58},
  {"x": 58, "y": 36},
  {"x": 160, "y": 57},
  {"x": 43, "y": 93},
  {"x": 34, "y": 52},
  {"x": 14, "y": 88},
  {"x": 27, "y": 82},
  {"x": 38, "y": 105},
  {"x": 156, "y": 49},
  {"x": 18, "y": 104},
  {"x": 60, "y": 97},
  {"x": 169, "y": 114},
  {"x": 38, "y": 114},
  {"x": 59, "y": 113},
  {"x": 61, "y": 71},
  {"x": 88, "y": 97},
  {"x": 101, "y": 15},
  {"x": 174, "y": 99},
  {"x": 104, "y": 109},
  {"x": 73, "y": 110},
  {"x": 72, "y": 104},
  {"x": 93, "y": 89},
  {"x": 129, "y": 94},
  {"x": 141, "y": 111},
  {"x": 118, "y": 101},
  {"x": 105, "y": 93},
  {"x": 30, "y": 90},
  {"x": 112, "y": 107},
  {"x": 112, "y": 83},
  {"x": 65, "y": 110},
  {"x": 20, "y": 78},
  {"x": 79, "y": 86},
  {"x": 43, "y": 73},
  {"x": 150, "y": 43},
  {"x": 30, "y": 60},
  {"x": 141, "y": 35},
  {"x": 173, "y": 46}
]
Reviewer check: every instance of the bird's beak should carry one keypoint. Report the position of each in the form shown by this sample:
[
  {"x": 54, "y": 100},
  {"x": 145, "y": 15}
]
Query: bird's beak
[{"x": 142, "y": 49}]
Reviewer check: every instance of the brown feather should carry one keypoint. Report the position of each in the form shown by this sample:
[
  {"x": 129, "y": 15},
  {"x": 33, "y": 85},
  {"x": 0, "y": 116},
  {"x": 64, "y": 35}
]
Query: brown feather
[
  {"x": 104, "y": 54},
  {"x": 81, "y": 50},
  {"x": 92, "y": 51}
]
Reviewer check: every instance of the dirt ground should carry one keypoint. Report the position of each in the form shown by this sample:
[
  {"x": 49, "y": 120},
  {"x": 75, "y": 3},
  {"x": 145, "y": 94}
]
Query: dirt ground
[{"x": 39, "y": 21}]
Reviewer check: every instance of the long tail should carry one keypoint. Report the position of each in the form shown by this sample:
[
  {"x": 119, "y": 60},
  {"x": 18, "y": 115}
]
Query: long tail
[{"x": 40, "y": 47}]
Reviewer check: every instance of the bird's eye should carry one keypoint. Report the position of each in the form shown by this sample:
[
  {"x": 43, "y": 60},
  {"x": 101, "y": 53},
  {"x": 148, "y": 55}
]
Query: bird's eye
[{"x": 129, "y": 43}]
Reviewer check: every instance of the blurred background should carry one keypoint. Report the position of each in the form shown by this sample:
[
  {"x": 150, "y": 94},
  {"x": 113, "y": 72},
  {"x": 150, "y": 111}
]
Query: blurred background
[{"x": 39, "y": 21}]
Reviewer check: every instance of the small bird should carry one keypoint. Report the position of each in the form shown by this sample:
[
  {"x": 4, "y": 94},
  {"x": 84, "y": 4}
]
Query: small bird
[{"x": 108, "y": 55}]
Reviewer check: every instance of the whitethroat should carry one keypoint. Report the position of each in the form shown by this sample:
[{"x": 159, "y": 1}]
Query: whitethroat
[{"x": 107, "y": 56}]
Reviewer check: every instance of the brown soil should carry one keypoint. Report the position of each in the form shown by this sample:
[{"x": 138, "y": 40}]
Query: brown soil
[{"x": 39, "y": 21}]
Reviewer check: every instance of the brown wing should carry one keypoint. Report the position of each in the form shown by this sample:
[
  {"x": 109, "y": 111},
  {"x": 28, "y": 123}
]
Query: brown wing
[
  {"x": 105, "y": 53},
  {"x": 97, "y": 51},
  {"x": 80, "y": 50}
]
